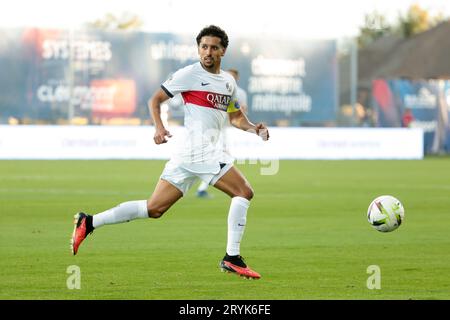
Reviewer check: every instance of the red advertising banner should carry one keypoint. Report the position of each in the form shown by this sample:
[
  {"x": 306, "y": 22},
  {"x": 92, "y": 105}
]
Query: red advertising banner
[{"x": 113, "y": 97}]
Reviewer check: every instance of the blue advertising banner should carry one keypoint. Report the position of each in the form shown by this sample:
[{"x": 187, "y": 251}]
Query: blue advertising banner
[
  {"x": 89, "y": 75},
  {"x": 14, "y": 67},
  {"x": 52, "y": 76},
  {"x": 287, "y": 80},
  {"x": 416, "y": 104}
]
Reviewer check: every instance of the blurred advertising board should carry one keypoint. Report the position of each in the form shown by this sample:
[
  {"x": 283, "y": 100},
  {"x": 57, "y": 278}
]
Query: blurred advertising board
[
  {"x": 421, "y": 104},
  {"x": 294, "y": 81},
  {"x": 136, "y": 142},
  {"x": 51, "y": 76}
]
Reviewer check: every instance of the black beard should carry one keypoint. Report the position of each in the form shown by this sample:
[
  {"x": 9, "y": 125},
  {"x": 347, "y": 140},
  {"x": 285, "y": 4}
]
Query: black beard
[{"x": 207, "y": 67}]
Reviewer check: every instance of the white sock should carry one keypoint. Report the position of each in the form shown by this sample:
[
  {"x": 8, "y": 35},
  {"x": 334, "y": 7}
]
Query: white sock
[
  {"x": 237, "y": 217},
  {"x": 124, "y": 212},
  {"x": 203, "y": 186}
]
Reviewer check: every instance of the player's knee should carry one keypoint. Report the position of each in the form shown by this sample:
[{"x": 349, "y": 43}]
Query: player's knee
[
  {"x": 247, "y": 193},
  {"x": 155, "y": 211},
  {"x": 155, "y": 214}
]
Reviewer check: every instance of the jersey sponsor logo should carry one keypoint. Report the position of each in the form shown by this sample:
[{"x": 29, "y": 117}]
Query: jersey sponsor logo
[
  {"x": 218, "y": 100},
  {"x": 207, "y": 99}
]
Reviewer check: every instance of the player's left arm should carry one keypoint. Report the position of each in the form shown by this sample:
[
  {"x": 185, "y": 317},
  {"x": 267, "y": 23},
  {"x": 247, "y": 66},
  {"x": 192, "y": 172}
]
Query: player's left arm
[{"x": 239, "y": 120}]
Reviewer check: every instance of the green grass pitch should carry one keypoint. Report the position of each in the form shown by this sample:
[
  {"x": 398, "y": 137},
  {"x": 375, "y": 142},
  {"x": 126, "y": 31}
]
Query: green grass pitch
[{"x": 307, "y": 233}]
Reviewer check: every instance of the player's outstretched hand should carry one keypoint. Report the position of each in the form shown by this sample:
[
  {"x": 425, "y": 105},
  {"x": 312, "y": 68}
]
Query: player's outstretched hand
[
  {"x": 262, "y": 131},
  {"x": 160, "y": 136}
]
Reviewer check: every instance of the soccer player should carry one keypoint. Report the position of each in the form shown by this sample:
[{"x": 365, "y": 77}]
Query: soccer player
[{"x": 209, "y": 95}]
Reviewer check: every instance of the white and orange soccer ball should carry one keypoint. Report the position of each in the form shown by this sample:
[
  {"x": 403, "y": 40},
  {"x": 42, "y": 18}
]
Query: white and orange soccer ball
[{"x": 386, "y": 213}]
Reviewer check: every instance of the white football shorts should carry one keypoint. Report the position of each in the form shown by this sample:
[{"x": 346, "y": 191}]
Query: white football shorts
[{"x": 183, "y": 178}]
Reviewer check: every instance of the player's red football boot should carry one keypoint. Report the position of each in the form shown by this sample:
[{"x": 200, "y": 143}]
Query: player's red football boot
[
  {"x": 236, "y": 264},
  {"x": 82, "y": 227}
]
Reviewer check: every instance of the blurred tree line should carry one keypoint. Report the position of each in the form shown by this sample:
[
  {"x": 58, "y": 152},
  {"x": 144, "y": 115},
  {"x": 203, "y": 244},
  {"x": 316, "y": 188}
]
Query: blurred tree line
[
  {"x": 414, "y": 21},
  {"x": 125, "y": 21}
]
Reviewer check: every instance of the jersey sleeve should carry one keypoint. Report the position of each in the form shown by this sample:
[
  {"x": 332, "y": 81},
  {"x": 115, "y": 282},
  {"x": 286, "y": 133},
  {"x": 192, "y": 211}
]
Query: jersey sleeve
[{"x": 178, "y": 82}]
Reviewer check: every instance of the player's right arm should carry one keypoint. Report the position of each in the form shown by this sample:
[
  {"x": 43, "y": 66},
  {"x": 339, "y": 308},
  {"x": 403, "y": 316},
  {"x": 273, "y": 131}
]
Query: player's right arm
[
  {"x": 154, "y": 105},
  {"x": 177, "y": 83}
]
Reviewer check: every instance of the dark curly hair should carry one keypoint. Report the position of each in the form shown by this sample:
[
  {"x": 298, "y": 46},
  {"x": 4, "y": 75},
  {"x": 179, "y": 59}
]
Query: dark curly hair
[{"x": 213, "y": 31}]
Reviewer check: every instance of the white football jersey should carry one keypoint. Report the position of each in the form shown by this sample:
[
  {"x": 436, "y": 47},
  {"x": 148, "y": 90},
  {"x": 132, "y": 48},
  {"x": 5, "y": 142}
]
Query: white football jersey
[{"x": 208, "y": 97}]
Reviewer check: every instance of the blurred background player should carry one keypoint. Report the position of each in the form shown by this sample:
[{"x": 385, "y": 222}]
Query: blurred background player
[
  {"x": 241, "y": 94},
  {"x": 407, "y": 118},
  {"x": 202, "y": 190}
]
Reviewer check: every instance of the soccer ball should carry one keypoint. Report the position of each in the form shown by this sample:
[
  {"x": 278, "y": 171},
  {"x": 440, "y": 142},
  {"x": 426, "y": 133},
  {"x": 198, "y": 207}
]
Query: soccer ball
[{"x": 385, "y": 213}]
